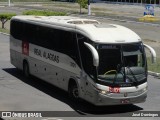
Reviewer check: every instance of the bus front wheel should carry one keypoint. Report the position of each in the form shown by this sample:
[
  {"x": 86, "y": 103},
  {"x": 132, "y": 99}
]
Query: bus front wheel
[
  {"x": 73, "y": 91},
  {"x": 26, "y": 69}
]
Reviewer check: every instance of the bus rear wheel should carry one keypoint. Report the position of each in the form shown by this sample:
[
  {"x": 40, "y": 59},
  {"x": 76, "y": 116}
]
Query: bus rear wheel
[{"x": 26, "y": 70}]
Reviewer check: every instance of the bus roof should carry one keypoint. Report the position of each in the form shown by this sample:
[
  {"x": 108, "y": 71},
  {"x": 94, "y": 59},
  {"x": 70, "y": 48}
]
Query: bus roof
[{"x": 96, "y": 31}]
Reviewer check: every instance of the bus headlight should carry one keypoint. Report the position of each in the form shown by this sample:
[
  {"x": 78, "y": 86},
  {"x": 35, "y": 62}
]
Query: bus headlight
[
  {"x": 103, "y": 92},
  {"x": 145, "y": 89}
]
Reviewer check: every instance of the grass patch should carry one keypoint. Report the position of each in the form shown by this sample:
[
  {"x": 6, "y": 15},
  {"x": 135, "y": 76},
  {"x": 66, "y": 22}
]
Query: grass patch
[
  {"x": 63, "y": 5},
  {"x": 99, "y": 9},
  {"x": 99, "y": 13},
  {"x": 44, "y": 13},
  {"x": 154, "y": 67},
  {"x": 4, "y": 30}
]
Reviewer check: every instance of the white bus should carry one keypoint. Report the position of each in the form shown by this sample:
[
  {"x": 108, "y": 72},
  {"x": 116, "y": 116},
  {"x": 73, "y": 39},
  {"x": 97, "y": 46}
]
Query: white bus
[{"x": 104, "y": 64}]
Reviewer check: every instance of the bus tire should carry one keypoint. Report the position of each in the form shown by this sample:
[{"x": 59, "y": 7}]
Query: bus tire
[
  {"x": 26, "y": 69},
  {"x": 73, "y": 91}
]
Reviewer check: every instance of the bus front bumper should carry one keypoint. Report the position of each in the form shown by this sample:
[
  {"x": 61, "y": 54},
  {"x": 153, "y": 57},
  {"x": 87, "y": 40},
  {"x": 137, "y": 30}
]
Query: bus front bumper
[{"x": 110, "y": 100}]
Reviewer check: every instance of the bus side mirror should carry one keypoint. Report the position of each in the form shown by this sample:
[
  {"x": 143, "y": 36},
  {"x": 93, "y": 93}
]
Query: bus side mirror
[
  {"x": 153, "y": 53},
  {"x": 94, "y": 54}
]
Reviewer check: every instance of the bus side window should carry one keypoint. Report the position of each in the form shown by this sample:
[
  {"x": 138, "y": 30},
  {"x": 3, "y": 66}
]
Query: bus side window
[
  {"x": 73, "y": 48},
  {"x": 69, "y": 44},
  {"x": 64, "y": 42},
  {"x": 43, "y": 36},
  {"x": 55, "y": 38},
  {"x": 29, "y": 33},
  {"x": 17, "y": 29}
]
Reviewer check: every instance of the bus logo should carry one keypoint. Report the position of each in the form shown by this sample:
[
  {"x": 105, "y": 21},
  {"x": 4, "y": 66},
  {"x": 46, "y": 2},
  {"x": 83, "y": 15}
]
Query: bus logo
[
  {"x": 25, "y": 48},
  {"x": 125, "y": 94}
]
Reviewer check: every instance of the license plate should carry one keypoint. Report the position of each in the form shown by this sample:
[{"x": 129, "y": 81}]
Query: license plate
[{"x": 125, "y": 101}]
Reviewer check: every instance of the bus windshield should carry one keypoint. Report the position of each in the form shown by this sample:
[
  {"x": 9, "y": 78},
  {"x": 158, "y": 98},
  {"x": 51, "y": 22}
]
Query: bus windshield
[{"x": 119, "y": 63}]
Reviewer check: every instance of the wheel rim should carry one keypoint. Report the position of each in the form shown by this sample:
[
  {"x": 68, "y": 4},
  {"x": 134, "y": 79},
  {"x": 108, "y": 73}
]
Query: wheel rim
[{"x": 75, "y": 92}]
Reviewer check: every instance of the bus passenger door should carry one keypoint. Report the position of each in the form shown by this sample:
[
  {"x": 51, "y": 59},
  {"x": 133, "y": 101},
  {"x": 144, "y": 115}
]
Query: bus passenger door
[
  {"x": 88, "y": 69},
  {"x": 87, "y": 88},
  {"x": 82, "y": 82}
]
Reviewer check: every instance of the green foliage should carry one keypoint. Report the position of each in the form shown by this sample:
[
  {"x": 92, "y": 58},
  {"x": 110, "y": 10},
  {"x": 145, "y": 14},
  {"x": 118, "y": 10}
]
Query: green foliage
[
  {"x": 4, "y": 17},
  {"x": 44, "y": 13},
  {"x": 7, "y": 16},
  {"x": 82, "y": 4},
  {"x": 4, "y": 31},
  {"x": 154, "y": 67}
]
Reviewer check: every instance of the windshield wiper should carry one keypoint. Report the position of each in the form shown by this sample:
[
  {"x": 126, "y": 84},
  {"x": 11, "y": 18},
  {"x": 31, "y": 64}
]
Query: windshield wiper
[
  {"x": 119, "y": 70},
  {"x": 136, "y": 81}
]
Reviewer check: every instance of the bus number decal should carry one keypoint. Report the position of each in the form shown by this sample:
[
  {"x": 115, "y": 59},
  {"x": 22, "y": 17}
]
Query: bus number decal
[
  {"x": 25, "y": 48},
  {"x": 114, "y": 89}
]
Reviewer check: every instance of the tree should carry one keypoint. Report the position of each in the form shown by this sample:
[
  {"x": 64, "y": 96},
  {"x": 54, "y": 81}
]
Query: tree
[
  {"x": 4, "y": 17},
  {"x": 82, "y": 4}
]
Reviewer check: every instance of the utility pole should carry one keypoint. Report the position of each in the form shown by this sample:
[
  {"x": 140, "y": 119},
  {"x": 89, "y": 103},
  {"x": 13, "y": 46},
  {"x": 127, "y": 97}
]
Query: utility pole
[
  {"x": 9, "y": 3},
  {"x": 89, "y": 8}
]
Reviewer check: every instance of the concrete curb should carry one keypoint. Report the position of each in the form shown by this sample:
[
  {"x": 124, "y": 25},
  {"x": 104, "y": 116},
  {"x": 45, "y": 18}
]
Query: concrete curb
[
  {"x": 154, "y": 74},
  {"x": 4, "y": 33}
]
